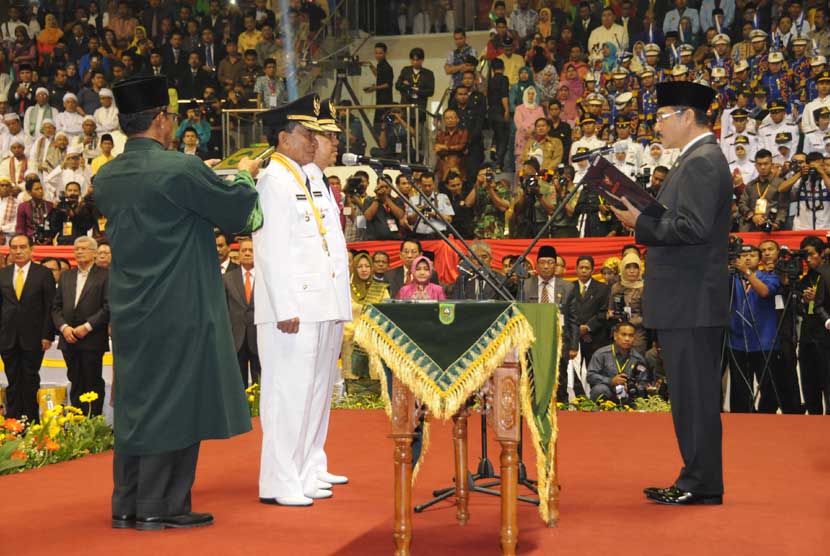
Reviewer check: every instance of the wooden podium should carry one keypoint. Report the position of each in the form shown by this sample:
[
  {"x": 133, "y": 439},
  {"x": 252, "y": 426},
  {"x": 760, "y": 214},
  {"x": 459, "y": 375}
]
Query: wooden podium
[{"x": 506, "y": 422}]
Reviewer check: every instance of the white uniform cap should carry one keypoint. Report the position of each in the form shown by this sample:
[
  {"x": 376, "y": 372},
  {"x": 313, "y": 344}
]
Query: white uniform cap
[{"x": 70, "y": 96}]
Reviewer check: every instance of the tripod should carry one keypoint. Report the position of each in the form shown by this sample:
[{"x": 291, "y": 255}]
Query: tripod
[{"x": 342, "y": 82}]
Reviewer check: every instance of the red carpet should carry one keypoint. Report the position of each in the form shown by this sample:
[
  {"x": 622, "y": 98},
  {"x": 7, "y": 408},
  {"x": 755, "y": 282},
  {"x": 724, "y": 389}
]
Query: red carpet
[{"x": 777, "y": 497}]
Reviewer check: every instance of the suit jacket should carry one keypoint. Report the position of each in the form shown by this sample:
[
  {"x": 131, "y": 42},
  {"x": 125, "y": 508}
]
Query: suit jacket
[
  {"x": 219, "y": 53},
  {"x": 395, "y": 279},
  {"x": 170, "y": 68},
  {"x": 566, "y": 294},
  {"x": 687, "y": 283},
  {"x": 581, "y": 35},
  {"x": 426, "y": 86},
  {"x": 218, "y": 27},
  {"x": 240, "y": 311},
  {"x": 93, "y": 307},
  {"x": 591, "y": 309},
  {"x": 191, "y": 86},
  {"x": 27, "y": 321}
]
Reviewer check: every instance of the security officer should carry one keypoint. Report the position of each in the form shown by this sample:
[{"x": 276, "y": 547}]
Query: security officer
[
  {"x": 589, "y": 139},
  {"x": 750, "y": 141},
  {"x": 298, "y": 308},
  {"x": 175, "y": 364},
  {"x": 758, "y": 62},
  {"x": 768, "y": 132},
  {"x": 633, "y": 149},
  {"x": 814, "y": 140}
]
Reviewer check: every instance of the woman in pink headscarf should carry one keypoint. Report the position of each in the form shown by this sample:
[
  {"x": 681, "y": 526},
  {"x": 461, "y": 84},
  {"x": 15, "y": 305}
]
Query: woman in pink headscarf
[
  {"x": 525, "y": 119},
  {"x": 574, "y": 89},
  {"x": 420, "y": 288}
]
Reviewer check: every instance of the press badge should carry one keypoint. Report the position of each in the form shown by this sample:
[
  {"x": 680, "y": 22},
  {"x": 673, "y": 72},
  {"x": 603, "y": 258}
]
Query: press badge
[
  {"x": 398, "y": 147},
  {"x": 779, "y": 303},
  {"x": 102, "y": 224},
  {"x": 67, "y": 228},
  {"x": 761, "y": 206},
  {"x": 272, "y": 101},
  {"x": 392, "y": 224}
]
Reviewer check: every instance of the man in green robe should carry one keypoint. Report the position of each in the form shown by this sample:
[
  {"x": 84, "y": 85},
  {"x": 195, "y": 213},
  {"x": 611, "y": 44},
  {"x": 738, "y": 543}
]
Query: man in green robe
[{"x": 176, "y": 374}]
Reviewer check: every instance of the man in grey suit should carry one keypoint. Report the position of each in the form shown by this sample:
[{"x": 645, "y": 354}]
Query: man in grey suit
[
  {"x": 547, "y": 288},
  {"x": 686, "y": 293},
  {"x": 81, "y": 314},
  {"x": 239, "y": 290}
]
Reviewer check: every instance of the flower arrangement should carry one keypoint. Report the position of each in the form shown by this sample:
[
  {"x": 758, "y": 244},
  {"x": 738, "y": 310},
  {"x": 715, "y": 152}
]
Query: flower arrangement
[
  {"x": 64, "y": 433},
  {"x": 650, "y": 404},
  {"x": 252, "y": 392}
]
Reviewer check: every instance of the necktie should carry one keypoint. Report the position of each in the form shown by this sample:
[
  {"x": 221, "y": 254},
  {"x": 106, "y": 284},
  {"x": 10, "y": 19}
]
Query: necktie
[
  {"x": 248, "y": 287},
  {"x": 18, "y": 283},
  {"x": 545, "y": 297},
  {"x": 582, "y": 288},
  {"x": 210, "y": 56}
]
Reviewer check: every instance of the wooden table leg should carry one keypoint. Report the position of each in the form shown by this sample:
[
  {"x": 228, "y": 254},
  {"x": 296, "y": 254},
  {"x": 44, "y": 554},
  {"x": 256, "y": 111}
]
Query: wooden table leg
[
  {"x": 462, "y": 493},
  {"x": 507, "y": 423},
  {"x": 403, "y": 427}
]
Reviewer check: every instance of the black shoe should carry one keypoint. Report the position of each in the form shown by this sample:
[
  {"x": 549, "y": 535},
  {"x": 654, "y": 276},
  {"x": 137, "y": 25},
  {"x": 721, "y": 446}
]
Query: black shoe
[
  {"x": 123, "y": 521},
  {"x": 675, "y": 497},
  {"x": 654, "y": 491},
  {"x": 183, "y": 521}
]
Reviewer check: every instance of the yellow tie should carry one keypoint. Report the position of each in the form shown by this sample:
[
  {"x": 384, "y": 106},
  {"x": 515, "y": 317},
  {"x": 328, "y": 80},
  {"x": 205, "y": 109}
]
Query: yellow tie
[
  {"x": 18, "y": 283},
  {"x": 581, "y": 289}
]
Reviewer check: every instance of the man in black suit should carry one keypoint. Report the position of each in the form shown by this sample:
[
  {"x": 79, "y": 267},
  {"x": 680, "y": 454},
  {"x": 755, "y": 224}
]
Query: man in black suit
[
  {"x": 416, "y": 83},
  {"x": 193, "y": 81},
  {"x": 223, "y": 250},
  {"x": 686, "y": 293},
  {"x": 584, "y": 23},
  {"x": 81, "y": 314},
  {"x": 26, "y": 293},
  {"x": 214, "y": 20},
  {"x": 471, "y": 287},
  {"x": 632, "y": 25},
  {"x": 591, "y": 308},
  {"x": 174, "y": 57},
  {"x": 239, "y": 289},
  {"x": 547, "y": 288},
  {"x": 151, "y": 17},
  {"x": 211, "y": 52},
  {"x": 397, "y": 277}
]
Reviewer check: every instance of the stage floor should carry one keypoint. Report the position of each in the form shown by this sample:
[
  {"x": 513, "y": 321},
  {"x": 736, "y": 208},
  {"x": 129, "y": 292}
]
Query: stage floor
[{"x": 777, "y": 501}]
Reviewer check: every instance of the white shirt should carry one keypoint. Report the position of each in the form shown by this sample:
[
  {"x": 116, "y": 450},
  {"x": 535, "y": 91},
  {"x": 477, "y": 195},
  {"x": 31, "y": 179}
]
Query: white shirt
[
  {"x": 808, "y": 122},
  {"x": 814, "y": 141},
  {"x": 70, "y": 123},
  {"x": 33, "y": 119},
  {"x": 252, "y": 272},
  {"x": 106, "y": 119},
  {"x": 79, "y": 286},
  {"x": 37, "y": 150},
  {"x": 616, "y": 35},
  {"x": 550, "y": 287},
  {"x": 6, "y": 141},
  {"x": 25, "y": 269},
  {"x": 441, "y": 202},
  {"x": 671, "y": 22},
  {"x": 59, "y": 177},
  {"x": 694, "y": 141},
  {"x": 8, "y": 227},
  {"x": 224, "y": 265}
]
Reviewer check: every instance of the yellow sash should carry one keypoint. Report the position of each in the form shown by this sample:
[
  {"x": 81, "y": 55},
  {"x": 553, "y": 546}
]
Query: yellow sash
[{"x": 283, "y": 161}]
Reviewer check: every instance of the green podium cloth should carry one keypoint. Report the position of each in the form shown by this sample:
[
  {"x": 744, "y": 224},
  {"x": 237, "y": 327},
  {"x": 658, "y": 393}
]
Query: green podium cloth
[{"x": 444, "y": 352}]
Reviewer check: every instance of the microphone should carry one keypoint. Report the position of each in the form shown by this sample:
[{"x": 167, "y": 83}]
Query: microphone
[
  {"x": 589, "y": 155},
  {"x": 352, "y": 159}
]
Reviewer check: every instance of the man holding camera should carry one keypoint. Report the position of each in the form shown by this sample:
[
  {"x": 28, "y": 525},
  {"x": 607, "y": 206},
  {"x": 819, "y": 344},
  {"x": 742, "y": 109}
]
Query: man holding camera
[
  {"x": 394, "y": 138},
  {"x": 811, "y": 190},
  {"x": 383, "y": 213},
  {"x": 761, "y": 207},
  {"x": 437, "y": 202},
  {"x": 814, "y": 341},
  {"x": 752, "y": 328},
  {"x": 70, "y": 217},
  {"x": 536, "y": 200},
  {"x": 618, "y": 372}
]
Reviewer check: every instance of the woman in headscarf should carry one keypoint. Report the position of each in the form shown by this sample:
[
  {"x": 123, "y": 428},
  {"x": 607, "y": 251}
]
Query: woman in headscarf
[
  {"x": 544, "y": 26},
  {"x": 23, "y": 50},
  {"x": 420, "y": 288},
  {"x": 570, "y": 112},
  {"x": 365, "y": 290},
  {"x": 516, "y": 95},
  {"x": 627, "y": 297},
  {"x": 609, "y": 57},
  {"x": 548, "y": 83},
  {"x": 48, "y": 38},
  {"x": 610, "y": 270},
  {"x": 525, "y": 121}
]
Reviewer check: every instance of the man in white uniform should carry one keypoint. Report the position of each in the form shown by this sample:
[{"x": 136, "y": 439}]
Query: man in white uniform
[{"x": 297, "y": 309}]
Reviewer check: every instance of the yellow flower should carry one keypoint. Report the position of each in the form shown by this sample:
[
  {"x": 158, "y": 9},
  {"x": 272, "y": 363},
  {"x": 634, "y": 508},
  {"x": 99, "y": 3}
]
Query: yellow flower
[
  {"x": 251, "y": 399},
  {"x": 77, "y": 418},
  {"x": 36, "y": 428},
  {"x": 62, "y": 421},
  {"x": 54, "y": 429},
  {"x": 89, "y": 397},
  {"x": 73, "y": 409}
]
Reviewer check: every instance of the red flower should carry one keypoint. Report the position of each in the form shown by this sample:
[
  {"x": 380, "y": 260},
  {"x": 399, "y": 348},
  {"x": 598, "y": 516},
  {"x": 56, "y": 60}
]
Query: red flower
[{"x": 13, "y": 425}]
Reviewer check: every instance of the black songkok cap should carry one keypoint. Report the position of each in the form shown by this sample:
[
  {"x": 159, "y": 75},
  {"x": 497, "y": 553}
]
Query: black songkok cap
[
  {"x": 548, "y": 251},
  {"x": 684, "y": 93},
  {"x": 138, "y": 94}
]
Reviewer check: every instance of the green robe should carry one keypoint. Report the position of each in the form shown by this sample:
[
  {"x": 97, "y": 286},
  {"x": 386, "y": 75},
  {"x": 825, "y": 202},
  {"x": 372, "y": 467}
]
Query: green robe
[{"x": 176, "y": 373}]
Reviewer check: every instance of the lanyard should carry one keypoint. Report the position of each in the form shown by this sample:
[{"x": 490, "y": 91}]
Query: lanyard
[
  {"x": 283, "y": 161},
  {"x": 620, "y": 369},
  {"x": 416, "y": 77},
  {"x": 758, "y": 189}
]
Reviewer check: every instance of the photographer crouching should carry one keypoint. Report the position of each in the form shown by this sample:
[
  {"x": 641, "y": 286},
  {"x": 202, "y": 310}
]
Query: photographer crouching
[
  {"x": 618, "y": 372},
  {"x": 752, "y": 327},
  {"x": 354, "y": 199},
  {"x": 72, "y": 216},
  {"x": 536, "y": 201},
  {"x": 761, "y": 207},
  {"x": 814, "y": 342}
]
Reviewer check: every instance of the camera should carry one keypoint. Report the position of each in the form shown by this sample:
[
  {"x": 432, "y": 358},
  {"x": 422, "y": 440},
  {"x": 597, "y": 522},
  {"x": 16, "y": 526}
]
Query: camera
[
  {"x": 644, "y": 178},
  {"x": 531, "y": 185},
  {"x": 354, "y": 186},
  {"x": 735, "y": 246},
  {"x": 389, "y": 118},
  {"x": 489, "y": 176},
  {"x": 621, "y": 312},
  {"x": 790, "y": 263},
  {"x": 66, "y": 202}
]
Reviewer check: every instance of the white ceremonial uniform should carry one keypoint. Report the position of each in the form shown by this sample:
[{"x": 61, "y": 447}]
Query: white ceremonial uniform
[
  {"x": 590, "y": 143},
  {"x": 767, "y": 133},
  {"x": 727, "y": 145},
  {"x": 70, "y": 123},
  {"x": 746, "y": 167},
  {"x": 808, "y": 122},
  {"x": 297, "y": 278},
  {"x": 814, "y": 141},
  {"x": 626, "y": 167},
  {"x": 634, "y": 154},
  {"x": 441, "y": 202},
  {"x": 727, "y": 126}
]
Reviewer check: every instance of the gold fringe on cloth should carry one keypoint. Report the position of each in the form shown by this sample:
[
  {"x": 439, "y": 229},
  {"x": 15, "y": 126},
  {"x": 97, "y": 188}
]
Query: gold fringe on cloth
[{"x": 547, "y": 480}]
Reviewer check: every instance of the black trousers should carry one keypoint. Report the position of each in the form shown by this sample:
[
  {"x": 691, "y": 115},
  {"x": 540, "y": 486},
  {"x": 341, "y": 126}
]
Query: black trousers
[
  {"x": 85, "y": 372},
  {"x": 23, "y": 373},
  {"x": 501, "y": 135},
  {"x": 815, "y": 382},
  {"x": 248, "y": 357},
  {"x": 744, "y": 366},
  {"x": 692, "y": 362},
  {"x": 154, "y": 485},
  {"x": 779, "y": 388}
]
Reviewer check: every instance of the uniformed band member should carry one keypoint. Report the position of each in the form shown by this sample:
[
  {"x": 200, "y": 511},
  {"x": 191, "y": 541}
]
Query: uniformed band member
[
  {"x": 686, "y": 295},
  {"x": 301, "y": 302},
  {"x": 176, "y": 377}
]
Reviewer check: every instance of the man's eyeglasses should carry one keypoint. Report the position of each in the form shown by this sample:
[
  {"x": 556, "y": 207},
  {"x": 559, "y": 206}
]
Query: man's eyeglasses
[{"x": 667, "y": 115}]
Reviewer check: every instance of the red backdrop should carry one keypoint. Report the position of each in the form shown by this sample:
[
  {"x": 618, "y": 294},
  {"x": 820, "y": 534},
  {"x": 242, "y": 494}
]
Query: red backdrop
[{"x": 446, "y": 259}]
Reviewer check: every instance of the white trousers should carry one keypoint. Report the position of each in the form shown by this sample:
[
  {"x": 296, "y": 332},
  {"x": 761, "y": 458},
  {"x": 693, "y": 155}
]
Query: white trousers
[{"x": 298, "y": 373}]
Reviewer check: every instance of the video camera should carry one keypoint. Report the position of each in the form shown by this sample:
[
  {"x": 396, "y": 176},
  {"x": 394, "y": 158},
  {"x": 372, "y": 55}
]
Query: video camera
[
  {"x": 735, "y": 246},
  {"x": 354, "y": 186},
  {"x": 644, "y": 178},
  {"x": 67, "y": 202},
  {"x": 790, "y": 263},
  {"x": 621, "y": 312}
]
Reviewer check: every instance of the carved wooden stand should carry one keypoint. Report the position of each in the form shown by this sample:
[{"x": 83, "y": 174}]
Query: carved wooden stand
[{"x": 506, "y": 423}]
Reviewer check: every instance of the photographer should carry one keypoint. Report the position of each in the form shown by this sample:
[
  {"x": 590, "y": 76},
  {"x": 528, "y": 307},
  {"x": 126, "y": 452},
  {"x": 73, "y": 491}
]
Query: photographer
[
  {"x": 809, "y": 184},
  {"x": 67, "y": 218},
  {"x": 535, "y": 202},
  {"x": 814, "y": 341},
  {"x": 438, "y": 200},
  {"x": 751, "y": 328},
  {"x": 564, "y": 224},
  {"x": 782, "y": 390},
  {"x": 618, "y": 372},
  {"x": 354, "y": 198},
  {"x": 394, "y": 137},
  {"x": 352, "y": 134},
  {"x": 490, "y": 199},
  {"x": 383, "y": 214},
  {"x": 625, "y": 300},
  {"x": 658, "y": 175},
  {"x": 761, "y": 207}
]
